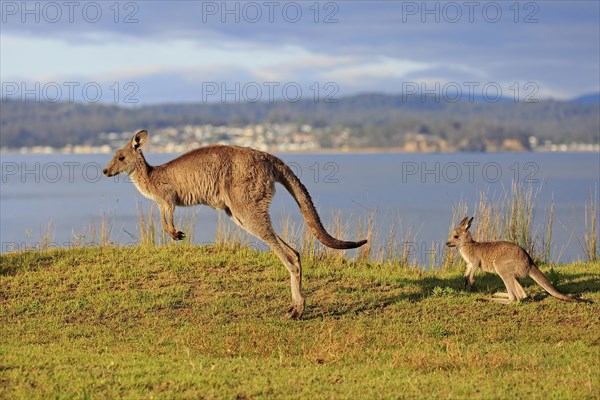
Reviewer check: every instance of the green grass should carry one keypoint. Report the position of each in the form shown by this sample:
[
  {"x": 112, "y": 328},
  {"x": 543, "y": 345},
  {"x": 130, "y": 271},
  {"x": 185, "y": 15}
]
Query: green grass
[{"x": 209, "y": 322}]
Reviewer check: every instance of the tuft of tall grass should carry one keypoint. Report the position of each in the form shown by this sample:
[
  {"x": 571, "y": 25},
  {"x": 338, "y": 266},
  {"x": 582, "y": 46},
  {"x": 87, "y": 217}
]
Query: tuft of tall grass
[
  {"x": 150, "y": 232},
  {"x": 451, "y": 259},
  {"x": 488, "y": 221},
  {"x": 93, "y": 235},
  {"x": 547, "y": 243},
  {"x": 519, "y": 218},
  {"x": 46, "y": 237},
  {"x": 45, "y": 242},
  {"x": 407, "y": 243},
  {"x": 400, "y": 247},
  {"x": 590, "y": 238},
  {"x": 365, "y": 229}
]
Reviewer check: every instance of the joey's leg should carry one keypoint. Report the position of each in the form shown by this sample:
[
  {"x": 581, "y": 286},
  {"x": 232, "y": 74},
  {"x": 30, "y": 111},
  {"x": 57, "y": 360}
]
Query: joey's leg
[
  {"x": 166, "y": 216},
  {"x": 520, "y": 292},
  {"x": 470, "y": 275},
  {"x": 509, "y": 281}
]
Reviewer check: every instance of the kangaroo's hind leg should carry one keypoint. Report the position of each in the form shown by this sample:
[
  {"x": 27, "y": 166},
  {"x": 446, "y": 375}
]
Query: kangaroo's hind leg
[
  {"x": 256, "y": 221},
  {"x": 298, "y": 301}
]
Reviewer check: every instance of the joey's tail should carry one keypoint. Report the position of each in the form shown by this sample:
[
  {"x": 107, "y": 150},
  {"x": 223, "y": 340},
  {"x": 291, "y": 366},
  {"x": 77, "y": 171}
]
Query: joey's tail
[
  {"x": 286, "y": 177},
  {"x": 541, "y": 279}
]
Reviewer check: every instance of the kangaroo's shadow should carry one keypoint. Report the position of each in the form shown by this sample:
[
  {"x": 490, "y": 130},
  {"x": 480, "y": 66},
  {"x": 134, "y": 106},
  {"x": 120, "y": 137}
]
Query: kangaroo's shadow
[
  {"x": 362, "y": 307},
  {"x": 382, "y": 298},
  {"x": 11, "y": 264}
]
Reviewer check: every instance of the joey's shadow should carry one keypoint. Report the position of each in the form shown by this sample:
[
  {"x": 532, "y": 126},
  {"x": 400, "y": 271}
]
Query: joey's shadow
[
  {"x": 421, "y": 288},
  {"x": 574, "y": 284}
]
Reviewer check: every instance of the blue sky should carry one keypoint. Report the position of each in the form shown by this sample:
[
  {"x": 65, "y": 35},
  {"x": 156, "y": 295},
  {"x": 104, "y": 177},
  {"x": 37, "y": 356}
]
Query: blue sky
[{"x": 178, "y": 50}]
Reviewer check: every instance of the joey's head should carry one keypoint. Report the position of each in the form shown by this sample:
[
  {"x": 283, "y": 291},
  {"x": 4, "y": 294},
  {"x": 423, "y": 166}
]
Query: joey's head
[
  {"x": 461, "y": 234},
  {"x": 126, "y": 159}
]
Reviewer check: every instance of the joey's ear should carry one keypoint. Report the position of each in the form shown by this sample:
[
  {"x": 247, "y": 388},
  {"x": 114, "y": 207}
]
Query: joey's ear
[
  {"x": 464, "y": 222},
  {"x": 139, "y": 139},
  {"x": 469, "y": 223}
]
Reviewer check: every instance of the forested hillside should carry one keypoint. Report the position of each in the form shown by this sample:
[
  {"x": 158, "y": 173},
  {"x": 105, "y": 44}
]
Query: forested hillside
[{"x": 371, "y": 119}]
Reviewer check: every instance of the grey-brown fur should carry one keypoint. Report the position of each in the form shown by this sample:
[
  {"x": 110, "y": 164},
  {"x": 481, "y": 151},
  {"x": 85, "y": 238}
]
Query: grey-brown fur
[
  {"x": 238, "y": 180},
  {"x": 507, "y": 259}
]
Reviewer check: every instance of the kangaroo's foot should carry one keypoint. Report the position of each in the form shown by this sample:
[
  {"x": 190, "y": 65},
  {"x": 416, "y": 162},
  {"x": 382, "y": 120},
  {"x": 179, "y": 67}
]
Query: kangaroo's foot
[
  {"x": 296, "y": 310},
  {"x": 177, "y": 235},
  {"x": 500, "y": 294}
]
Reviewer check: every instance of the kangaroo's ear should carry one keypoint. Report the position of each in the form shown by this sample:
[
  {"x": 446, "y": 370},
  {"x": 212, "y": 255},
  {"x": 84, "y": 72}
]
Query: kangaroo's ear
[
  {"x": 139, "y": 139},
  {"x": 469, "y": 223}
]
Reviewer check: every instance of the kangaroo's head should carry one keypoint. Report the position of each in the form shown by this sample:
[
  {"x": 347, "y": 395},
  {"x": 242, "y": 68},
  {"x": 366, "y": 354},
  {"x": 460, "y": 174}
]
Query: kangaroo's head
[
  {"x": 461, "y": 234},
  {"x": 126, "y": 159}
]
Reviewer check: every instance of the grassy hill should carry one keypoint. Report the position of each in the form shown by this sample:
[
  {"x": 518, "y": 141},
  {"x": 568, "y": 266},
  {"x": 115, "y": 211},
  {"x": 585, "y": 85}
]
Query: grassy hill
[{"x": 209, "y": 322}]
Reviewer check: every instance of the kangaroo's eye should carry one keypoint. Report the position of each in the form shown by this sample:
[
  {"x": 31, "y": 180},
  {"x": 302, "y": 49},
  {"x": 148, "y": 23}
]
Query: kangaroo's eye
[
  {"x": 122, "y": 158},
  {"x": 455, "y": 236}
]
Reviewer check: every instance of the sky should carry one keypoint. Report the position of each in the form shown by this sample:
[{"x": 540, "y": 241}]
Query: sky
[{"x": 148, "y": 52}]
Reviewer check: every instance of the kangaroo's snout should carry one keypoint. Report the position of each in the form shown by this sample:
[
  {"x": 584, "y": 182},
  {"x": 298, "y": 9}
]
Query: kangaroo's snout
[
  {"x": 449, "y": 244},
  {"x": 105, "y": 171}
]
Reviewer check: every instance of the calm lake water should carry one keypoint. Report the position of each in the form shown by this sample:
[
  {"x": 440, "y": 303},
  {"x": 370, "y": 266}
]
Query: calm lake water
[{"x": 68, "y": 193}]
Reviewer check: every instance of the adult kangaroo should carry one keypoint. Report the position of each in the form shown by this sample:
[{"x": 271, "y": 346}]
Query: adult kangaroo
[{"x": 238, "y": 180}]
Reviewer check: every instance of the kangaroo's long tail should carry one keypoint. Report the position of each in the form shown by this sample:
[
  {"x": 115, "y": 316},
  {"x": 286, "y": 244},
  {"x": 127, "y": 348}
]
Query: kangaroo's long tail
[
  {"x": 288, "y": 179},
  {"x": 541, "y": 279}
]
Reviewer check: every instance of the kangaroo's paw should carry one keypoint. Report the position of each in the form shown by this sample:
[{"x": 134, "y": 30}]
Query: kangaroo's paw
[{"x": 178, "y": 235}]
